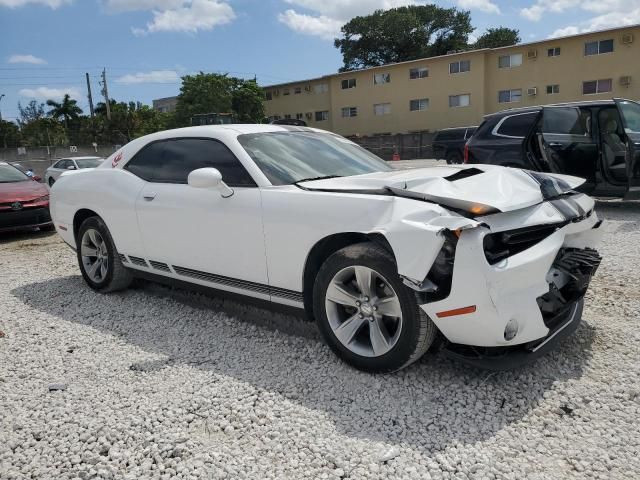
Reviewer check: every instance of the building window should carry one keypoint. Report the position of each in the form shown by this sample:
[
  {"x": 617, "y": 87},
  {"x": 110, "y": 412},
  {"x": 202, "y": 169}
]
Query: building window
[
  {"x": 422, "y": 72},
  {"x": 463, "y": 100},
  {"x": 508, "y": 61},
  {"x": 287, "y": 115},
  {"x": 348, "y": 83},
  {"x": 349, "y": 111},
  {"x": 460, "y": 67},
  {"x": 509, "y": 96},
  {"x": 299, "y": 116},
  {"x": 418, "y": 104},
  {"x": 269, "y": 95},
  {"x": 323, "y": 115},
  {"x": 553, "y": 89},
  {"x": 297, "y": 90},
  {"x": 381, "y": 78},
  {"x": 598, "y": 47},
  {"x": 553, "y": 52},
  {"x": 381, "y": 108},
  {"x": 597, "y": 86},
  {"x": 322, "y": 88},
  {"x": 285, "y": 91}
]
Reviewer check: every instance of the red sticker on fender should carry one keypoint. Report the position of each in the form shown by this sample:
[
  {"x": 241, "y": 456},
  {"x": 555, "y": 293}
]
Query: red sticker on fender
[{"x": 116, "y": 159}]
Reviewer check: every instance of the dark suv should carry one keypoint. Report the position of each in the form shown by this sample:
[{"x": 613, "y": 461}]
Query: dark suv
[
  {"x": 449, "y": 143},
  {"x": 598, "y": 141}
]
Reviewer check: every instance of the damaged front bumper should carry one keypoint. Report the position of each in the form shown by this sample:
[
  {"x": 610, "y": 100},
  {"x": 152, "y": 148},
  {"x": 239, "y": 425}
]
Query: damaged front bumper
[{"x": 502, "y": 312}]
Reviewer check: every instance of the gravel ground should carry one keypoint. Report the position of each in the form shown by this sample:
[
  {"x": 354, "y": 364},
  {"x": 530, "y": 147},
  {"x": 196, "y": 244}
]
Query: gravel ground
[{"x": 160, "y": 383}]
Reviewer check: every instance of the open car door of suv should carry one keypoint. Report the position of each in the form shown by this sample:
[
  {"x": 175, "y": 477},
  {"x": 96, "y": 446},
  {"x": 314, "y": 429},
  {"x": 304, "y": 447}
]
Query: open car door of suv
[
  {"x": 630, "y": 115},
  {"x": 566, "y": 144}
]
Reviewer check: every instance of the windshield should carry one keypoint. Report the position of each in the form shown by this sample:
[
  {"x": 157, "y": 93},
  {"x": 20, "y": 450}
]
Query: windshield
[
  {"x": 88, "y": 162},
  {"x": 10, "y": 174},
  {"x": 631, "y": 114},
  {"x": 289, "y": 157}
]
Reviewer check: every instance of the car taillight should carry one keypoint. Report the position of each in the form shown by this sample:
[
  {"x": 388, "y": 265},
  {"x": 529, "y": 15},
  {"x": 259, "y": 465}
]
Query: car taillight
[{"x": 466, "y": 153}]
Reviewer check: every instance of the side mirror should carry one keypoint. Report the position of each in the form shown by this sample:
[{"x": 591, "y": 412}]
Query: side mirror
[
  {"x": 209, "y": 178},
  {"x": 71, "y": 167}
]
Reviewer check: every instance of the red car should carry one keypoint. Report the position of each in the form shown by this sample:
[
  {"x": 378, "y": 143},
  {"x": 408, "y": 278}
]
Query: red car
[{"x": 24, "y": 203}]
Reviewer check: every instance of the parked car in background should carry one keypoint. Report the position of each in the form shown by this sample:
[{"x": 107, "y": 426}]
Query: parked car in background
[
  {"x": 289, "y": 121},
  {"x": 597, "y": 140},
  {"x": 449, "y": 143},
  {"x": 24, "y": 203},
  {"x": 52, "y": 173},
  {"x": 496, "y": 259}
]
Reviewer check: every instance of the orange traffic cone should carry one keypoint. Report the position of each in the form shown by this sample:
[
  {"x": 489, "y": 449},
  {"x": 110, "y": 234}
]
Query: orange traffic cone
[{"x": 396, "y": 156}]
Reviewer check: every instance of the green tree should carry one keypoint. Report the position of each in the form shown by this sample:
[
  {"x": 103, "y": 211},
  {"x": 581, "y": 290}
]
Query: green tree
[
  {"x": 498, "y": 37},
  {"x": 67, "y": 110},
  {"x": 203, "y": 93},
  {"x": 9, "y": 134},
  {"x": 247, "y": 102},
  {"x": 33, "y": 111},
  {"x": 43, "y": 131},
  {"x": 401, "y": 34}
]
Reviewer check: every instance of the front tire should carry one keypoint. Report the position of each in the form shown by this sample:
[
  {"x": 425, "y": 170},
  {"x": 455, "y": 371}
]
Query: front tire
[
  {"x": 98, "y": 258},
  {"x": 454, "y": 158},
  {"x": 366, "y": 314},
  {"x": 51, "y": 181}
]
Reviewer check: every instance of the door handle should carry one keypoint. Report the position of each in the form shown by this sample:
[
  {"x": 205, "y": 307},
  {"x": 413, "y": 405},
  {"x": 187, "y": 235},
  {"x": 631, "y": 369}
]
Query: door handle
[
  {"x": 554, "y": 144},
  {"x": 149, "y": 196}
]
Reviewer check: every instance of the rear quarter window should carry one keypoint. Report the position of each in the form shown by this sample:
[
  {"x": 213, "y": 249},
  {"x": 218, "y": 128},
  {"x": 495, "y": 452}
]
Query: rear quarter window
[{"x": 516, "y": 126}]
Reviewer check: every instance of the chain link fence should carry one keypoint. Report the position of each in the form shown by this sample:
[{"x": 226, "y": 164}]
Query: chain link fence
[
  {"x": 408, "y": 146},
  {"x": 40, "y": 158}
]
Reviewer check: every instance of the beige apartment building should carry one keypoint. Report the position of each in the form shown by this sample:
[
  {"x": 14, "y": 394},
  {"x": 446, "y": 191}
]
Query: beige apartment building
[{"x": 458, "y": 89}]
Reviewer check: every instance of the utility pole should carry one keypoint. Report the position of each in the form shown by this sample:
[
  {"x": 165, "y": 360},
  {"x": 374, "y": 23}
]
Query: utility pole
[
  {"x": 1, "y": 96},
  {"x": 105, "y": 92},
  {"x": 89, "y": 97}
]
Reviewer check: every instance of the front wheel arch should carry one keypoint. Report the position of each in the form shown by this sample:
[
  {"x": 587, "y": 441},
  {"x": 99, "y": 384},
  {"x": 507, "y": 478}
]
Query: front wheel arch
[{"x": 326, "y": 247}]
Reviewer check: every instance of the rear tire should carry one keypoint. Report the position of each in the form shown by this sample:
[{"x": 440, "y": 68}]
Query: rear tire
[
  {"x": 368, "y": 317},
  {"x": 98, "y": 258}
]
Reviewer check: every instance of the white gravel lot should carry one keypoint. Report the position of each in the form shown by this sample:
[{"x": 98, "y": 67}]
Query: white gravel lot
[{"x": 163, "y": 384}]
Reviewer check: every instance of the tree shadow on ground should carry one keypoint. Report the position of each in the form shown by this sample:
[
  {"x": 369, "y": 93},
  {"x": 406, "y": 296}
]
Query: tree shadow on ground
[{"x": 433, "y": 404}]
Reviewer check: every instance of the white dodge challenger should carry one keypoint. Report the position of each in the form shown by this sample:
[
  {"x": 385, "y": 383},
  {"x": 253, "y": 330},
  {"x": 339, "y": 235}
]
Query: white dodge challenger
[{"x": 493, "y": 262}]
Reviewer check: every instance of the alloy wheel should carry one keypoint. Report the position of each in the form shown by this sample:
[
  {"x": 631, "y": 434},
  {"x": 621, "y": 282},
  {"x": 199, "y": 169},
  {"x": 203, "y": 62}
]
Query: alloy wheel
[
  {"x": 363, "y": 311},
  {"x": 95, "y": 257}
]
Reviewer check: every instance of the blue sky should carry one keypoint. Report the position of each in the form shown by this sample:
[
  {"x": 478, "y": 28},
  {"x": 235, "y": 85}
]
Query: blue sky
[{"x": 46, "y": 46}]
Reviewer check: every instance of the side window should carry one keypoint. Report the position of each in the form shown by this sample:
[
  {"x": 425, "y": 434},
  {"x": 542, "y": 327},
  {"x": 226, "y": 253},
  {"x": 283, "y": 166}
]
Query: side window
[
  {"x": 516, "y": 125},
  {"x": 171, "y": 161},
  {"x": 60, "y": 164},
  {"x": 566, "y": 121}
]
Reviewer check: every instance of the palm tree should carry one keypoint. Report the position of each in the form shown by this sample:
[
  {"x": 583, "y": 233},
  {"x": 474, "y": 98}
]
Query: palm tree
[{"x": 68, "y": 109}]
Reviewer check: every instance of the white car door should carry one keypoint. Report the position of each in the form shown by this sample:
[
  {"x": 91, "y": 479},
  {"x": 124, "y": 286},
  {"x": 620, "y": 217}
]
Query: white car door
[{"x": 196, "y": 231}]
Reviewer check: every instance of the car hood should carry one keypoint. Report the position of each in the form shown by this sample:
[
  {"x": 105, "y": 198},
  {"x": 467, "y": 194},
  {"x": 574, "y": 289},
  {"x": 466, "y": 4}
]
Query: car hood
[
  {"x": 21, "y": 191},
  {"x": 478, "y": 189}
]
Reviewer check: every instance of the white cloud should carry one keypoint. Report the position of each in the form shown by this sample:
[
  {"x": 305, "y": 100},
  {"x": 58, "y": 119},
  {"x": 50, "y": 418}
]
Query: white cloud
[
  {"x": 46, "y": 93},
  {"x": 180, "y": 16},
  {"x": 601, "y": 22},
  {"x": 26, "y": 59},
  {"x": 486, "y": 6},
  {"x": 536, "y": 11},
  {"x": 155, "y": 76},
  {"x": 21, "y": 3},
  {"x": 327, "y": 16},
  {"x": 321, "y": 26}
]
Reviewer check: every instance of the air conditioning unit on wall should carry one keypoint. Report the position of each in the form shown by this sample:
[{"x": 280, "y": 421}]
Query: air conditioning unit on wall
[
  {"x": 532, "y": 91},
  {"x": 532, "y": 54},
  {"x": 627, "y": 38},
  {"x": 625, "y": 80}
]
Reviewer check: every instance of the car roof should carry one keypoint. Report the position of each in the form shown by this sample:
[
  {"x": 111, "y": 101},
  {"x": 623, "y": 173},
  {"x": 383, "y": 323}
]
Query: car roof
[
  {"x": 537, "y": 108},
  {"x": 78, "y": 158}
]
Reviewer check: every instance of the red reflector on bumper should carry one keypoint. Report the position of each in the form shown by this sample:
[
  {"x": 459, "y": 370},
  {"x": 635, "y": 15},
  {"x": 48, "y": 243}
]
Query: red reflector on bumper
[{"x": 456, "y": 311}]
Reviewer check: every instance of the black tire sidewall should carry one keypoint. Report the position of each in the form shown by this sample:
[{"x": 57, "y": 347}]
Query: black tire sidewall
[
  {"x": 378, "y": 259},
  {"x": 97, "y": 224}
]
